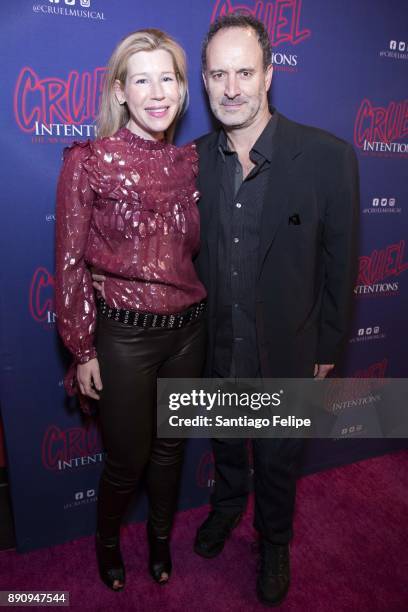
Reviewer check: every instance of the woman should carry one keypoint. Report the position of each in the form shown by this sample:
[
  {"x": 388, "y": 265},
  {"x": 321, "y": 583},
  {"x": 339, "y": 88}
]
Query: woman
[{"x": 126, "y": 204}]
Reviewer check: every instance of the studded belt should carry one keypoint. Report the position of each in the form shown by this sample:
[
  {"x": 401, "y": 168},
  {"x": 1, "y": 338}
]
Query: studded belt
[{"x": 149, "y": 319}]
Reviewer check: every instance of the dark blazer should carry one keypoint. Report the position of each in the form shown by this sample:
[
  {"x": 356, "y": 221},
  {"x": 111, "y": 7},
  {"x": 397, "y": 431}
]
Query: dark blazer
[{"x": 307, "y": 255}]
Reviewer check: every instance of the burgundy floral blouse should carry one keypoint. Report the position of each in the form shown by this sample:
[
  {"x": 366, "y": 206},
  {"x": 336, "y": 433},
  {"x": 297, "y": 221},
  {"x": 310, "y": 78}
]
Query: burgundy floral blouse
[{"x": 126, "y": 206}]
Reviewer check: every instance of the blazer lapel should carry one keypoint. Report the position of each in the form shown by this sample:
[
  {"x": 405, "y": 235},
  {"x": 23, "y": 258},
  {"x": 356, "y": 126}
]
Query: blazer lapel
[{"x": 285, "y": 151}]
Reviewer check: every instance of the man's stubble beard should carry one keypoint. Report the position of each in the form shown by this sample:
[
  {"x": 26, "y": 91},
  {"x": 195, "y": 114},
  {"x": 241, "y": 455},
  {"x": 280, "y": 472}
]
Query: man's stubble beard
[{"x": 241, "y": 124}]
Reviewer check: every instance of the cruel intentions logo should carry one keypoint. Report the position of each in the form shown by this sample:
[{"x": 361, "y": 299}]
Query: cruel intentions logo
[
  {"x": 362, "y": 390},
  {"x": 378, "y": 369},
  {"x": 53, "y": 109},
  {"x": 66, "y": 449},
  {"x": 282, "y": 19},
  {"x": 41, "y": 297},
  {"x": 378, "y": 129},
  {"x": 378, "y": 271}
]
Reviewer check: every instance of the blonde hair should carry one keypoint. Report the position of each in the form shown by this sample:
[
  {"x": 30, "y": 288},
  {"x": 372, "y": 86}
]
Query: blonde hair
[{"x": 113, "y": 115}]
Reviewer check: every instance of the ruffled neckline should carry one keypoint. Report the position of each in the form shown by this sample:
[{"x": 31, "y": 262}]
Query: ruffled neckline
[{"x": 139, "y": 142}]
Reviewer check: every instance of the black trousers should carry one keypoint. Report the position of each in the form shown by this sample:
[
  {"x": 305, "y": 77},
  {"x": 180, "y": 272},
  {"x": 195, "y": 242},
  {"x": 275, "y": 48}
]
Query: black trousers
[
  {"x": 131, "y": 359},
  {"x": 276, "y": 462}
]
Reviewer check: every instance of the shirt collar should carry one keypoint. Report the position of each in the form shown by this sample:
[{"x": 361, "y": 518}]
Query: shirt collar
[
  {"x": 223, "y": 145},
  {"x": 263, "y": 146}
]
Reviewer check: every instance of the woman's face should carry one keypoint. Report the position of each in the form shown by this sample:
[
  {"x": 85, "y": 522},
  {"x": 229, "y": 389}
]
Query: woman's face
[{"x": 151, "y": 92}]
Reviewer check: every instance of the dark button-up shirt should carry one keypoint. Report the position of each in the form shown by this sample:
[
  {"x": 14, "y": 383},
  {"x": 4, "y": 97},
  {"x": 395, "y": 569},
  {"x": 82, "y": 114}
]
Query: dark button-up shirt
[{"x": 240, "y": 210}]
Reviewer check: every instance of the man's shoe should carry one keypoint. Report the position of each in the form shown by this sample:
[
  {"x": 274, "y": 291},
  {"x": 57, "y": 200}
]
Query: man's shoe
[
  {"x": 214, "y": 532},
  {"x": 274, "y": 573}
]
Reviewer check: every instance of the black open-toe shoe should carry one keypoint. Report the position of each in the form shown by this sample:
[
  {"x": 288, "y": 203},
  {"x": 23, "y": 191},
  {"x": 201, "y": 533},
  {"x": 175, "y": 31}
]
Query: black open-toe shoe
[
  {"x": 159, "y": 557},
  {"x": 110, "y": 562}
]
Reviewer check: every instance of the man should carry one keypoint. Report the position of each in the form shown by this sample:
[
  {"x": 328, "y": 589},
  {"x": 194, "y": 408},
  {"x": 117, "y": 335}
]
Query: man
[{"x": 279, "y": 206}]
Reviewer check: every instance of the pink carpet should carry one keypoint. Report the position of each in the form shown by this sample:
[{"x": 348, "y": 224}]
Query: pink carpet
[{"x": 349, "y": 554}]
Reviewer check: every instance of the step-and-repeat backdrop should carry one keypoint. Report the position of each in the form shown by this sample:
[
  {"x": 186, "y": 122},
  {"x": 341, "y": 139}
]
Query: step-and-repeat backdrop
[{"x": 340, "y": 65}]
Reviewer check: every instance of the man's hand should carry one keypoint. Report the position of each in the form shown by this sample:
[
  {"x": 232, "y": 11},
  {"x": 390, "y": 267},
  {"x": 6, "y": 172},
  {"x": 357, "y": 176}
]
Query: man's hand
[
  {"x": 89, "y": 378},
  {"x": 98, "y": 282},
  {"x": 321, "y": 370}
]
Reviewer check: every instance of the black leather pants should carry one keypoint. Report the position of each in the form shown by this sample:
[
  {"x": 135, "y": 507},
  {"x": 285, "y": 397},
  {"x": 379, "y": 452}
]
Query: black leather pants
[{"x": 131, "y": 359}]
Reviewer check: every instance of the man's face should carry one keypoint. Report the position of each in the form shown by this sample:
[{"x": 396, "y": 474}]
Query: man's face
[{"x": 234, "y": 78}]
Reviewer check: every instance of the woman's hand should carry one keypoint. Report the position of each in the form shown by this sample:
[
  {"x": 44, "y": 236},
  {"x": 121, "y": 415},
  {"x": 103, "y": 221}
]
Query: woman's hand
[
  {"x": 98, "y": 281},
  {"x": 89, "y": 378}
]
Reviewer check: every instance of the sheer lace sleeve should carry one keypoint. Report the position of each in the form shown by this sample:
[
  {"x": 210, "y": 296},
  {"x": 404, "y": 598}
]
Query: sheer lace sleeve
[{"x": 75, "y": 302}]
